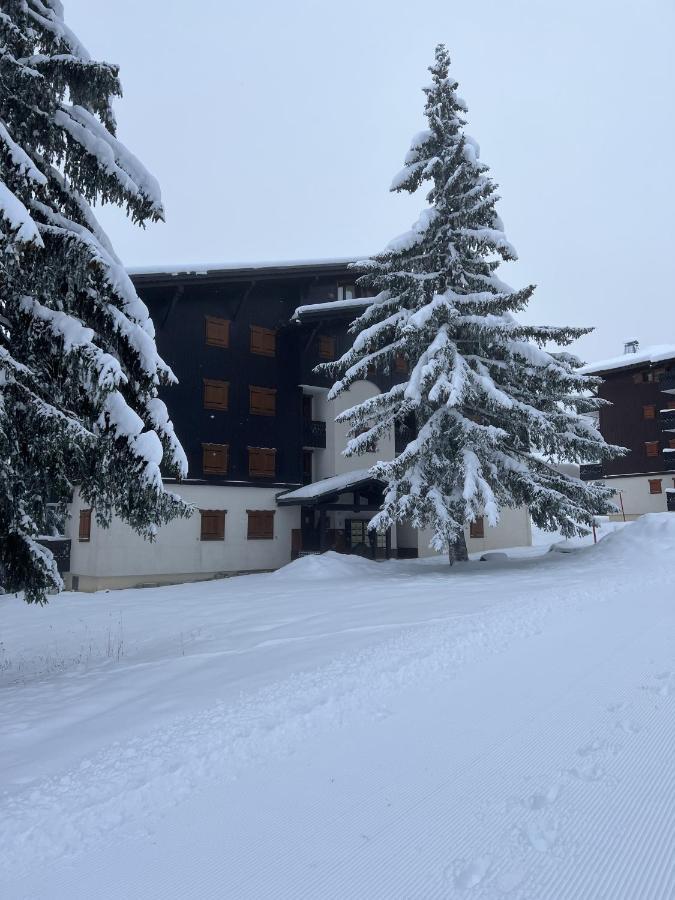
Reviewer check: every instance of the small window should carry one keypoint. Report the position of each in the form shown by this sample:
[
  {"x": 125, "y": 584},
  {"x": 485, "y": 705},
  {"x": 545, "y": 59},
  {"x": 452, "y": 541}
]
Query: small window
[
  {"x": 400, "y": 363},
  {"x": 217, "y": 331},
  {"x": 652, "y": 448},
  {"x": 655, "y": 486},
  {"x": 216, "y": 394},
  {"x": 649, "y": 412},
  {"x": 85, "y": 525},
  {"x": 639, "y": 377},
  {"x": 262, "y": 462},
  {"x": 215, "y": 459},
  {"x": 671, "y": 443},
  {"x": 670, "y": 404},
  {"x": 212, "y": 525},
  {"x": 260, "y": 524},
  {"x": 263, "y": 341},
  {"x": 477, "y": 528},
  {"x": 326, "y": 346},
  {"x": 262, "y": 401},
  {"x": 346, "y": 291}
]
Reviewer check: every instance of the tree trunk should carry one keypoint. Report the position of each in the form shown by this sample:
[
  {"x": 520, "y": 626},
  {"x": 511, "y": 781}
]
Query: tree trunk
[{"x": 457, "y": 551}]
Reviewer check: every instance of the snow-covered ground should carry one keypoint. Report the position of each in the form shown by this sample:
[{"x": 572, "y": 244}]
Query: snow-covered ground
[{"x": 348, "y": 729}]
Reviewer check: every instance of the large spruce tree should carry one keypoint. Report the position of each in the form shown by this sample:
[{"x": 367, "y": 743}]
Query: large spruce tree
[
  {"x": 491, "y": 409},
  {"x": 79, "y": 369}
]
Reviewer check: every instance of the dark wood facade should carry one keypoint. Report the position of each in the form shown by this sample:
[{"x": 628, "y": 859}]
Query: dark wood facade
[
  {"x": 638, "y": 418},
  {"x": 241, "y": 359}
]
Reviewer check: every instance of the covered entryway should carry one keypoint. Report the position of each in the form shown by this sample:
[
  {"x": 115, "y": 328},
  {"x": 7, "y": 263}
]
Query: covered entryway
[{"x": 335, "y": 513}]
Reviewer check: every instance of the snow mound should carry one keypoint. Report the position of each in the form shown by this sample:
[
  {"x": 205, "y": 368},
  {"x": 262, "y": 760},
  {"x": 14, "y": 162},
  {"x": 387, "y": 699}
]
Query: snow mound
[
  {"x": 329, "y": 565},
  {"x": 652, "y": 534}
]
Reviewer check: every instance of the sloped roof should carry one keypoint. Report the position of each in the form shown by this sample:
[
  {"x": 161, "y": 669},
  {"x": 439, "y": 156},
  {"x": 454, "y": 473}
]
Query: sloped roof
[
  {"x": 336, "y": 484},
  {"x": 650, "y": 355}
]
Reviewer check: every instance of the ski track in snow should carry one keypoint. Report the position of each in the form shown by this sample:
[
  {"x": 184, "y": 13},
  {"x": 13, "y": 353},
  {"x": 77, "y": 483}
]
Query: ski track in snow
[{"x": 523, "y": 750}]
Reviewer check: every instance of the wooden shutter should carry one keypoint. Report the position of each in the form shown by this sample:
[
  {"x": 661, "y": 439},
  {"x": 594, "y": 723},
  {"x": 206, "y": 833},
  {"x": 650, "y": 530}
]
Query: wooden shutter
[
  {"x": 655, "y": 486},
  {"x": 260, "y": 524},
  {"x": 262, "y": 401},
  {"x": 216, "y": 394},
  {"x": 400, "y": 363},
  {"x": 477, "y": 528},
  {"x": 649, "y": 412},
  {"x": 263, "y": 341},
  {"x": 262, "y": 462},
  {"x": 217, "y": 331},
  {"x": 212, "y": 524},
  {"x": 326, "y": 346},
  {"x": 652, "y": 448},
  {"x": 85, "y": 525},
  {"x": 215, "y": 459}
]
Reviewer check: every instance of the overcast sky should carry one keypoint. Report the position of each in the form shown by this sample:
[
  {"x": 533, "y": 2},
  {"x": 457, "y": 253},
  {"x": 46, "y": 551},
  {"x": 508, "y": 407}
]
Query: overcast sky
[{"x": 275, "y": 129}]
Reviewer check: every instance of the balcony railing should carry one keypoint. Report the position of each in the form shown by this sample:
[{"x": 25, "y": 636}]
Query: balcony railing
[
  {"x": 314, "y": 434},
  {"x": 667, "y": 383},
  {"x": 667, "y": 419},
  {"x": 590, "y": 471}
]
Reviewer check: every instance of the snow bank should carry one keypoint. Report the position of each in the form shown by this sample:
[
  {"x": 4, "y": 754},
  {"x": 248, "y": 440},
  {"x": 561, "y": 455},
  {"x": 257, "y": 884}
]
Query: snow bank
[{"x": 328, "y": 566}]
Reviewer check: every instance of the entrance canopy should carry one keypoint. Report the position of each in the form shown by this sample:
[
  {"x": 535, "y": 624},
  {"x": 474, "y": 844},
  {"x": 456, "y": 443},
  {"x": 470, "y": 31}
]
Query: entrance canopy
[{"x": 329, "y": 489}]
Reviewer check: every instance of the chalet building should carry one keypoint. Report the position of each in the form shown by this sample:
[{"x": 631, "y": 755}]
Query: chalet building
[
  {"x": 640, "y": 384},
  {"x": 267, "y": 476}
]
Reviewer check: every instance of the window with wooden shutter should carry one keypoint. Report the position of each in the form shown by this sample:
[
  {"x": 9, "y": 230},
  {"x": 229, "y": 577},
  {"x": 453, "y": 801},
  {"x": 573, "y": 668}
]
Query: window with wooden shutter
[
  {"x": 215, "y": 459},
  {"x": 649, "y": 412},
  {"x": 216, "y": 394},
  {"x": 260, "y": 524},
  {"x": 263, "y": 341},
  {"x": 217, "y": 331},
  {"x": 652, "y": 448},
  {"x": 262, "y": 462},
  {"x": 326, "y": 346},
  {"x": 85, "y": 525},
  {"x": 400, "y": 363},
  {"x": 655, "y": 486},
  {"x": 477, "y": 528},
  {"x": 212, "y": 524},
  {"x": 262, "y": 401}
]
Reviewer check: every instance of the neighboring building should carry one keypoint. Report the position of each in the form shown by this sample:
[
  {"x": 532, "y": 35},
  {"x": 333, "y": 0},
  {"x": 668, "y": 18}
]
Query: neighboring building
[
  {"x": 640, "y": 384},
  {"x": 266, "y": 472}
]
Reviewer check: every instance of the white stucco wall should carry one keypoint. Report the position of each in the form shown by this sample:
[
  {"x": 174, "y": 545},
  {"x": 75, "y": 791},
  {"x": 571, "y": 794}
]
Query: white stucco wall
[
  {"x": 178, "y": 551},
  {"x": 331, "y": 460},
  {"x": 635, "y": 494},
  {"x": 514, "y": 530}
]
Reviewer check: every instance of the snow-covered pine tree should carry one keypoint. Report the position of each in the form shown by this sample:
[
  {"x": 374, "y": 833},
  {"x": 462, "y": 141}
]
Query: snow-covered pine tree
[
  {"x": 79, "y": 369},
  {"x": 490, "y": 407}
]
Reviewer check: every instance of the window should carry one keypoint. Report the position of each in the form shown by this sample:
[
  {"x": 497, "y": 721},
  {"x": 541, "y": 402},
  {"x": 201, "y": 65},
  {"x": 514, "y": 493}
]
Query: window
[
  {"x": 670, "y": 404},
  {"x": 213, "y": 524},
  {"x": 346, "y": 291},
  {"x": 260, "y": 524},
  {"x": 649, "y": 412},
  {"x": 262, "y": 401},
  {"x": 655, "y": 486},
  {"x": 477, "y": 528},
  {"x": 400, "y": 363},
  {"x": 671, "y": 443},
  {"x": 639, "y": 377},
  {"x": 85, "y": 525},
  {"x": 306, "y": 466},
  {"x": 262, "y": 462},
  {"x": 215, "y": 459},
  {"x": 217, "y": 331},
  {"x": 326, "y": 346},
  {"x": 216, "y": 394},
  {"x": 652, "y": 448},
  {"x": 263, "y": 341}
]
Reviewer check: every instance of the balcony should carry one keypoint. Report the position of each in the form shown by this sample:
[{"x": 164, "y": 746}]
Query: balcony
[
  {"x": 667, "y": 383},
  {"x": 667, "y": 419},
  {"x": 590, "y": 471},
  {"x": 314, "y": 434}
]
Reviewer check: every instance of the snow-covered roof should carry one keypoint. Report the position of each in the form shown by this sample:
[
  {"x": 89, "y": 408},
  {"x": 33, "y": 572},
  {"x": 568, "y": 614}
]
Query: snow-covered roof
[
  {"x": 336, "y": 484},
  {"x": 655, "y": 354},
  {"x": 332, "y": 307},
  {"x": 211, "y": 268}
]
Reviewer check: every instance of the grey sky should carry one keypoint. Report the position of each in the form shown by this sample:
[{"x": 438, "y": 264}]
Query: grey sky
[{"x": 275, "y": 130}]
